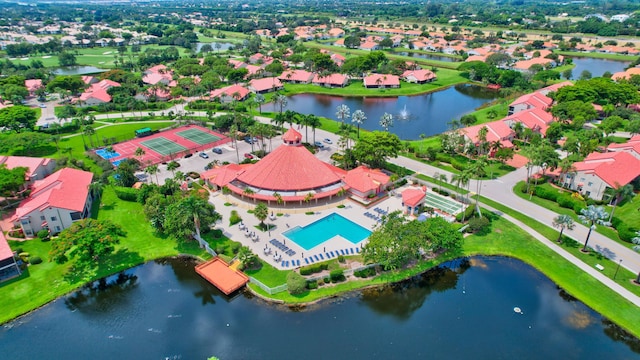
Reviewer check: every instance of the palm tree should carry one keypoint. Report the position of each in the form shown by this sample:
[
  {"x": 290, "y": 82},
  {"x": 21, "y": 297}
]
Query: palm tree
[
  {"x": 343, "y": 112},
  {"x": 621, "y": 193},
  {"x": 358, "y": 118},
  {"x": 563, "y": 222},
  {"x": 139, "y": 152},
  {"x": 478, "y": 170},
  {"x": 591, "y": 216},
  {"x": 88, "y": 131},
  {"x": 197, "y": 208},
  {"x": 172, "y": 166},
  {"x": 96, "y": 189},
  {"x": 281, "y": 101},
  {"x": 233, "y": 134},
  {"x": 386, "y": 121},
  {"x": 636, "y": 240},
  {"x": 314, "y": 122},
  {"x": 261, "y": 212},
  {"x": 259, "y": 99},
  {"x": 152, "y": 170}
]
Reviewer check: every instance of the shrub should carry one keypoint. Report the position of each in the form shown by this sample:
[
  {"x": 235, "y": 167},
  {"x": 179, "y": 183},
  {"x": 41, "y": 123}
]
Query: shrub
[
  {"x": 545, "y": 193},
  {"x": 43, "y": 234},
  {"x": 126, "y": 194},
  {"x": 326, "y": 280},
  {"x": 626, "y": 232},
  {"x": 234, "y": 218},
  {"x": 365, "y": 272},
  {"x": 220, "y": 249},
  {"x": 458, "y": 165},
  {"x": 479, "y": 225},
  {"x": 313, "y": 284},
  {"x": 341, "y": 259},
  {"x": 216, "y": 233},
  {"x": 296, "y": 283},
  {"x": 24, "y": 256},
  {"x": 235, "y": 247},
  {"x": 314, "y": 268},
  {"x": 336, "y": 275},
  {"x": 35, "y": 260}
]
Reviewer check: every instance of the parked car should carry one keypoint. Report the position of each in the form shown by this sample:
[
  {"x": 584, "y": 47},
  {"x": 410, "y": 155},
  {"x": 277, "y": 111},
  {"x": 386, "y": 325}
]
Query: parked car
[
  {"x": 328, "y": 141},
  {"x": 43, "y": 105},
  {"x": 250, "y": 140},
  {"x": 217, "y": 150},
  {"x": 203, "y": 155},
  {"x": 248, "y": 156},
  {"x": 319, "y": 144}
]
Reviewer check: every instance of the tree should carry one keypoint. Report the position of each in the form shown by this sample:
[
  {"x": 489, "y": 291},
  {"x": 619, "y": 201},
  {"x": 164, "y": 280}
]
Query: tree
[
  {"x": 468, "y": 120},
  {"x": 172, "y": 166},
  {"x": 621, "y": 193},
  {"x": 636, "y": 241},
  {"x": 563, "y": 222},
  {"x": 139, "y": 153},
  {"x": 126, "y": 172},
  {"x": 358, "y": 118},
  {"x": 87, "y": 240},
  {"x": 246, "y": 256},
  {"x": 591, "y": 216},
  {"x": 18, "y": 118},
  {"x": 375, "y": 147},
  {"x": 281, "y": 101},
  {"x": 478, "y": 170},
  {"x": 386, "y": 121},
  {"x": 184, "y": 217},
  {"x": 88, "y": 131},
  {"x": 343, "y": 112},
  {"x": 352, "y": 42},
  {"x": 296, "y": 283},
  {"x": 153, "y": 170},
  {"x": 259, "y": 99},
  {"x": 12, "y": 180},
  {"x": 67, "y": 59},
  {"x": 261, "y": 212}
]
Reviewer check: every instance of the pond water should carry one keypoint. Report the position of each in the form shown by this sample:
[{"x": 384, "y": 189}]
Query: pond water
[
  {"x": 427, "y": 56},
  {"x": 427, "y": 114},
  {"x": 223, "y": 46},
  {"x": 78, "y": 70},
  {"x": 163, "y": 310},
  {"x": 597, "y": 67}
]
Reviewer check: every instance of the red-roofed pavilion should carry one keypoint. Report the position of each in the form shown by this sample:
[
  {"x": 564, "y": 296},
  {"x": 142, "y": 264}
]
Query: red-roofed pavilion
[{"x": 218, "y": 273}]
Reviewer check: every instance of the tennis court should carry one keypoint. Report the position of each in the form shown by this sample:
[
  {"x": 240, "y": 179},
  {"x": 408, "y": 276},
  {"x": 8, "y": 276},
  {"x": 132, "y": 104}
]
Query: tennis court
[
  {"x": 198, "y": 136},
  {"x": 163, "y": 146},
  {"x": 440, "y": 202}
]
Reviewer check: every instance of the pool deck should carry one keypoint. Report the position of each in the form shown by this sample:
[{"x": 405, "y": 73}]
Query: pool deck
[{"x": 294, "y": 216}]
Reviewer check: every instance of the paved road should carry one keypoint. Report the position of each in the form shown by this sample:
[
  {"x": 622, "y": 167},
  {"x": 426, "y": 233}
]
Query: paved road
[{"x": 501, "y": 190}]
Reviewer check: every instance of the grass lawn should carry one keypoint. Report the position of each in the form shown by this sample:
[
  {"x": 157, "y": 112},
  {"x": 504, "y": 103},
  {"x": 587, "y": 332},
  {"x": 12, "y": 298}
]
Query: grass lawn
[
  {"x": 445, "y": 79},
  {"x": 441, "y": 184},
  {"x": 44, "y": 282},
  {"x": 596, "y": 55},
  {"x": 553, "y": 206}
]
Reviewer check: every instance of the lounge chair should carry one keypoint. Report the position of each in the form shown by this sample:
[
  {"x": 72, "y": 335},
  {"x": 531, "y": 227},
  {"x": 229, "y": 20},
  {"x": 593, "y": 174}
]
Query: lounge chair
[
  {"x": 333, "y": 255},
  {"x": 297, "y": 262},
  {"x": 316, "y": 257},
  {"x": 358, "y": 250},
  {"x": 341, "y": 252},
  {"x": 306, "y": 261},
  {"x": 351, "y": 251},
  {"x": 321, "y": 257}
]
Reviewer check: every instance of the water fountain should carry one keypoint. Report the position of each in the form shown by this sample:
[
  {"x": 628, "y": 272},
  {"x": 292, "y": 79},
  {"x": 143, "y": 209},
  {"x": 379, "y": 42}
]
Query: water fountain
[{"x": 404, "y": 114}]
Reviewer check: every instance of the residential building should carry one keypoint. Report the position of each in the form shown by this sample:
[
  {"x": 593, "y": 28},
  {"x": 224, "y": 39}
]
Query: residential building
[
  {"x": 419, "y": 76},
  {"x": 55, "y": 202},
  {"x": 332, "y": 80},
  {"x": 265, "y": 85},
  {"x": 381, "y": 81},
  {"x": 230, "y": 93},
  {"x": 38, "y": 168},
  {"x": 8, "y": 266},
  {"x": 530, "y": 101}
]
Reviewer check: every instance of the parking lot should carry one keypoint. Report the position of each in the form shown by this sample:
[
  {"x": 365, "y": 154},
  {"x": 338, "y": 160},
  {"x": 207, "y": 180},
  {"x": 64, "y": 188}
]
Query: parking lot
[{"x": 197, "y": 163}]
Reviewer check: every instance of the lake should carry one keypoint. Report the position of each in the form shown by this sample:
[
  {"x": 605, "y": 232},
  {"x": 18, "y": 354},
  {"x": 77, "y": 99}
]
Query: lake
[
  {"x": 78, "y": 70},
  {"x": 427, "y": 56},
  {"x": 164, "y": 310},
  {"x": 428, "y": 114},
  {"x": 597, "y": 67},
  {"x": 223, "y": 46}
]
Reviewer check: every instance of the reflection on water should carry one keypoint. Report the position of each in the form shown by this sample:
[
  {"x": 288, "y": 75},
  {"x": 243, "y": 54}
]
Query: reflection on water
[
  {"x": 462, "y": 309},
  {"x": 597, "y": 67},
  {"x": 427, "y": 56},
  {"x": 78, "y": 70}
]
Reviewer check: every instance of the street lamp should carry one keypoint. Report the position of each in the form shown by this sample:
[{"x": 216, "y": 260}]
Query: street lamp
[{"x": 617, "y": 268}]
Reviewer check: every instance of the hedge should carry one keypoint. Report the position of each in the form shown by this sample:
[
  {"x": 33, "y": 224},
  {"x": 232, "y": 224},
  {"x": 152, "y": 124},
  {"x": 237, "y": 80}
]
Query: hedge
[
  {"x": 35, "y": 260},
  {"x": 370, "y": 271},
  {"x": 336, "y": 275},
  {"x": 126, "y": 194},
  {"x": 314, "y": 268}
]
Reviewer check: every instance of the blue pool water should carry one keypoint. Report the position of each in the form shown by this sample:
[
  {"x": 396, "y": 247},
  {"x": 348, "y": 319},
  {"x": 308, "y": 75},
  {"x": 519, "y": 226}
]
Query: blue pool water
[
  {"x": 106, "y": 154},
  {"x": 324, "y": 229},
  {"x": 117, "y": 162}
]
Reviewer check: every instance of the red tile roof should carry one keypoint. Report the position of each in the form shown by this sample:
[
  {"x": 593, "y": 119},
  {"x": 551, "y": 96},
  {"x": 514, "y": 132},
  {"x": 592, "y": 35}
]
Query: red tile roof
[
  {"x": 527, "y": 64},
  {"x": 632, "y": 145},
  {"x": 99, "y": 91},
  {"x": 297, "y": 76},
  {"x": 497, "y": 130},
  {"x": 534, "y": 99},
  {"x": 265, "y": 84},
  {"x": 230, "y": 90},
  {"x": 31, "y": 163},
  {"x": 66, "y": 189},
  {"x": 292, "y": 136},
  {"x": 554, "y": 87},
  {"x": 614, "y": 168},
  {"x": 33, "y": 84},
  {"x": 222, "y": 176},
  {"x": 290, "y": 168},
  {"x": 535, "y": 119},
  {"x": 413, "y": 196},
  {"x": 333, "y": 79},
  {"x": 419, "y": 75},
  {"x": 5, "y": 250},
  {"x": 363, "y": 179},
  {"x": 218, "y": 272},
  {"x": 381, "y": 80}
]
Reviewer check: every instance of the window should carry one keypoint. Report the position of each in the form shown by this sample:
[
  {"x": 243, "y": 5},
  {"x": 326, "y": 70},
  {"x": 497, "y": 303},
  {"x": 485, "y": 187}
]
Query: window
[
  {"x": 25, "y": 222},
  {"x": 58, "y": 228},
  {"x": 42, "y": 218},
  {"x": 53, "y": 218},
  {"x": 589, "y": 184},
  {"x": 29, "y": 233},
  {"x": 76, "y": 216}
]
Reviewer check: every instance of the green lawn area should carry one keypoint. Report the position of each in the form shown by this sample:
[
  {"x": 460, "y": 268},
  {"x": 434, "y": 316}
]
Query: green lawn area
[
  {"x": 44, "y": 282},
  {"x": 596, "y": 55},
  {"x": 604, "y": 230},
  {"x": 445, "y": 79}
]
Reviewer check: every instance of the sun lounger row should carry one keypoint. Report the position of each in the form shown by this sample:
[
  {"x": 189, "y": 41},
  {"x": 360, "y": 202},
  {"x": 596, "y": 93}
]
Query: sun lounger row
[
  {"x": 285, "y": 249},
  {"x": 293, "y": 263},
  {"x": 331, "y": 254},
  {"x": 372, "y": 216},
  {"x": 380, "y": 211}
]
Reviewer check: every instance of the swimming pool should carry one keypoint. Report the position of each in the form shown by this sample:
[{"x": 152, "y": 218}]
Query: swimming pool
[
  {"x": 324, "y": 229},
  {"x": 106, "y": 154}
]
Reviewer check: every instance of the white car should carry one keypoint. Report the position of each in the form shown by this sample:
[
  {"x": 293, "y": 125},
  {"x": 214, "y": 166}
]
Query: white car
[{"x": 328, "y": 141}]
